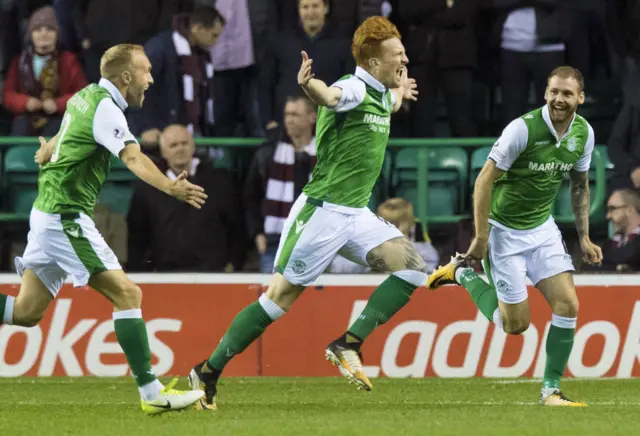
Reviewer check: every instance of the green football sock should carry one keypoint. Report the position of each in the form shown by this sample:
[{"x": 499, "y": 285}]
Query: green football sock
[
  {"x": 131, "y": 333},
  {"x": 385, "y": 301},
  {"x": 246, "y": 327},
  {"x": 3, "y": 303},
  {"x": 558, "y": 346},
  {"x": 482, "y": 293}
]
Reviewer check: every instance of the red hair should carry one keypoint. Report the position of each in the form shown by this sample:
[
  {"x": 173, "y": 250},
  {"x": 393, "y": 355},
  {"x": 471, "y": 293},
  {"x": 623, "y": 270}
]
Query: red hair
[{"x": 368, "y": 37}]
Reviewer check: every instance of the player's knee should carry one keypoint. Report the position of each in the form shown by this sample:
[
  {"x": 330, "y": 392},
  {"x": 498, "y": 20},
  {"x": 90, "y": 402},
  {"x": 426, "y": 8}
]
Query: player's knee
[
  {"x": 129, "y": 297},
  {"x": 283, "y": 293},
  {"x": 26, "y": 318},
  {"x": 516, "y": 327},
  {"x": 567, "y": 307}
]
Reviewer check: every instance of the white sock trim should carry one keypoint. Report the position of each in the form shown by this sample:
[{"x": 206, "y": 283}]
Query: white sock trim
[
  {"x": 151, "y": 391},
  {"x": 563, "y": 322},
  {"x": 459, "y": 273},
  {"x": 497, "y": 319},
  {"x": 127, "y": 314},
  {"x": 416, "y": 278},
  {"x": 273, "y": 310},
  {"x": 7, "y": 318}
]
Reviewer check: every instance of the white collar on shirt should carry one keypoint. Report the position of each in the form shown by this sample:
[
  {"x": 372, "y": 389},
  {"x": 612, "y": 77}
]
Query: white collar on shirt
[
  {"x": 547, "y": 120},
  {"x": 117, "y": 97},
  {"x": 369, "y": 79},
  {"x": 192, "y": 171}
]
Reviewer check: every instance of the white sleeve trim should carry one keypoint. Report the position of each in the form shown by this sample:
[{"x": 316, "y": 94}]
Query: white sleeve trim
[
  {"x": 353, "y": 93},
  {"x": 110, "y": 128},
  {"x": 510, "y": 145},
  {"x": 584, "y": 163}
]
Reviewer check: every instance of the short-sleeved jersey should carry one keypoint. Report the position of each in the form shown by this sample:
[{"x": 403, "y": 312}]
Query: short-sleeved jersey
[
  {"x": 351, "y": 139},
  {"x": 535, "y": 161},
  {"x": 93, "y": 127}
]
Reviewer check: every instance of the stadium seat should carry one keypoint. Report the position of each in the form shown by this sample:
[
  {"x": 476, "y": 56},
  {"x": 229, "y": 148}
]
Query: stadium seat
[
  {"x": 478, "y": 159},
  {"x": 447, "y": 178},
  {"x": 116, "y": 197},
  {"x": 19, "y": 166},
  {"x": 23, "y": 198}
]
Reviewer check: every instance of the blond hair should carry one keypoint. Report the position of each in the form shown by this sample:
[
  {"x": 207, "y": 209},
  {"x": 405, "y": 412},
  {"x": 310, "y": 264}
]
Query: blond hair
[
  {"x": 118, "y": 58},
  {"x": 397, "y": 211}
]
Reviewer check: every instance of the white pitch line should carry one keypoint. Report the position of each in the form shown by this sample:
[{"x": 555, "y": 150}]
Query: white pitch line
[{"x": 539, "y": 380}]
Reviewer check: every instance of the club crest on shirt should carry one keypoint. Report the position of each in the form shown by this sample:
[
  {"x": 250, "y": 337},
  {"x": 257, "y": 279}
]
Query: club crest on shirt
[{"x": 572, "y": 143}]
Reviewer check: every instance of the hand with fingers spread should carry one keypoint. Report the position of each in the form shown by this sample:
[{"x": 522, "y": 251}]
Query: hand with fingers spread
[
  {"x": 185, "y": 191},
  {"x": 410, "y": 88},
  {"x": 305, "y": 74}
]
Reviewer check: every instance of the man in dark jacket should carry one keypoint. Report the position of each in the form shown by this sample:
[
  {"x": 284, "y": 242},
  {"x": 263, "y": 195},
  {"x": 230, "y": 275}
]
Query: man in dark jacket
[
  {"x": 166, "y": 236},
  {"x": 183, "y": 75},
  {"x": 441, "y": 48},
  {"x": 331, "y": 59},
  {"x": 624, "y": 143}
]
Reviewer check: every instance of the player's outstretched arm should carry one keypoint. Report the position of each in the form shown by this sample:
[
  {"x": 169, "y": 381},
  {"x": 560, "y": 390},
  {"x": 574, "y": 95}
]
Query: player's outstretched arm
[
  {"x": 316, "y": 89},
  {"x": 147, "y": 171},
  {"x": 580, "y": 203},
  {"x": 481, "y": 206}
]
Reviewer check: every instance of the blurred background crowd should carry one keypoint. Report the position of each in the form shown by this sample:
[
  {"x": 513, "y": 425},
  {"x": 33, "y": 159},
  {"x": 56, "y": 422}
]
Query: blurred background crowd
[{"x": 225, "y": 70}]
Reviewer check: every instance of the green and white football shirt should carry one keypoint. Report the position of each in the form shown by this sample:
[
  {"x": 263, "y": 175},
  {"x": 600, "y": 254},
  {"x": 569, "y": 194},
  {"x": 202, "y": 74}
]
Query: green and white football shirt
[
  {"x": 93, "y": 127},
  {"x": 535, "y": 161}
]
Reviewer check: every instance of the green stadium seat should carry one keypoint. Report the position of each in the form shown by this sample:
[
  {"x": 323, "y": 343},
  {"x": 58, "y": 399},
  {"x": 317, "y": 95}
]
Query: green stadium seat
[
  {"x": 478, "y": 159},
  {"x": 19, "y": 166},
  {"x": 448, "y": 169},
  {"x": 116, "y": 197},
  {"x": 23, "y": 198},
  {"x": 441, "y": 200}
]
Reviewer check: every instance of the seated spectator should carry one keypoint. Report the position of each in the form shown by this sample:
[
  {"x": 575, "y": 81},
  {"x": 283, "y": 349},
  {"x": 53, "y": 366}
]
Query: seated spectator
[
  {"x": 182, "y": 92},
  {"x": 624, "y": 146},
  {"x": 622, "y": 253},
  {"x": 168, "y": 235},
  {"x": 331, "y": 56},
  {"x": 41, "y": 80},
  {"x": 278, "y": 172},
  {"x": 398, "y": 212}
]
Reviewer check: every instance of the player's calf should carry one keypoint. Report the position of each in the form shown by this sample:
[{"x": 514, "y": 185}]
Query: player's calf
[{"x": 28, "y": 308}]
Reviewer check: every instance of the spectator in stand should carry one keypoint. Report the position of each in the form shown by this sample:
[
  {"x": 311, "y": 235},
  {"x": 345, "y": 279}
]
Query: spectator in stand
[
  {"x": 622, "y": 253},
  {"x": 331, "y": 59},
  {"x": 41, "y": 79},
  {"x": 441, "y": 47},
  {"x": 183, "y": 76},
  {"x": 164, "y": 235},
  {"x": 398, "y": 212},
  {"x": 278, "y": 172},
  {"x": 532, "y": 38},
  {"x": 91, "y": 27},
  {"x": 236, "y": 74},
  {"x": 624, "y": 144}
]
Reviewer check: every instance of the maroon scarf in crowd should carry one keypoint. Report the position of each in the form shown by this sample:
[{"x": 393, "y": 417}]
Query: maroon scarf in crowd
[{"x": 197, "y": 77}]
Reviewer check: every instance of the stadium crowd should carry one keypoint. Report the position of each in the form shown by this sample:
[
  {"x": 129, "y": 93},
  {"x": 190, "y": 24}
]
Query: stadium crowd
[{"x": 228, "y": 68}]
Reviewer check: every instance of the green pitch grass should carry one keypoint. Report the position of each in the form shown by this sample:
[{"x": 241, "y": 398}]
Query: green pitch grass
[{"x": 296, "y": 406}]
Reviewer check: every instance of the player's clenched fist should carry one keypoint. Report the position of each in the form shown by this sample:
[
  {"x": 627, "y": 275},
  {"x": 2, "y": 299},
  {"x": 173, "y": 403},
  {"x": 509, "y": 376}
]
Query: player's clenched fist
[
  {"x": 305, "y": 74},
  {"x": 188, "y": 192}
]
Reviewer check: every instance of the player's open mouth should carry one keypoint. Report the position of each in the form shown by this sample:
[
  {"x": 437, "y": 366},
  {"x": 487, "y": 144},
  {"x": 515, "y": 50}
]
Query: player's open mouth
[{"x": 399, "y": 72}]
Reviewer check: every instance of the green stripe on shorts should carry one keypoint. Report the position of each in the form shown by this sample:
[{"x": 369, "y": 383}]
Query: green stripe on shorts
[
  {"x": 294, "y": 234},
  {"x": 82, "y": 247}
]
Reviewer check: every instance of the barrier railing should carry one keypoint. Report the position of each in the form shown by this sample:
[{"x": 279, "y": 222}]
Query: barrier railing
[{"x": 422, "y": 168}]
